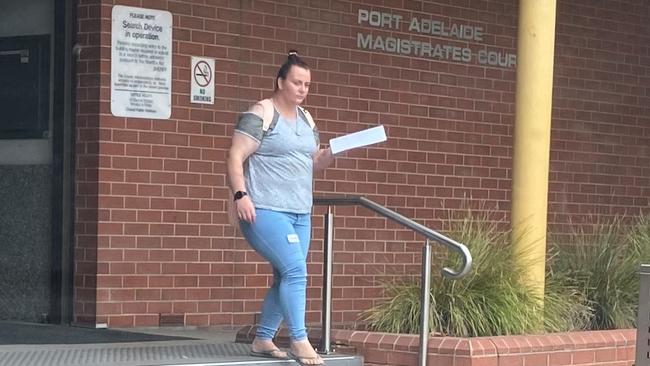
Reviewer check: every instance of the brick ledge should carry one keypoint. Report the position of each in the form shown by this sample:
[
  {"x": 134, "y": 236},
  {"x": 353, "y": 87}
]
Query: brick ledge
[{"x": 606, "y": 348}]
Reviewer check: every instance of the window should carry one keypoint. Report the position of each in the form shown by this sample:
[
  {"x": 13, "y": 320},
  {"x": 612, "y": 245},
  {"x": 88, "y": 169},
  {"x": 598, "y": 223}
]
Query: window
[{"x": 24, "y": 87}]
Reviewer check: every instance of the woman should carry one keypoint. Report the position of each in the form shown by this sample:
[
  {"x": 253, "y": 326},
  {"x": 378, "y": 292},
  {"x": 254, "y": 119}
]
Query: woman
[{"x": 270, "y": 171}]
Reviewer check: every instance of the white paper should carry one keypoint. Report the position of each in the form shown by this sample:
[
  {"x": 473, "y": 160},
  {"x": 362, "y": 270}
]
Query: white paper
[{"x": 361, "y": 138}]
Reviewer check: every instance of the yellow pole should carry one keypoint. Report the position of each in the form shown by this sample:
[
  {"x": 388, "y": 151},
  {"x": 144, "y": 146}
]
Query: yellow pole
[{"x": 532, "y": 135}]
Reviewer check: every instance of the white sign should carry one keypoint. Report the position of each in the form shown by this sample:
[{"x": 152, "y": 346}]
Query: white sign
[
  {"x": 202, "y": 91},
  {"x": 141, "y": 63}
]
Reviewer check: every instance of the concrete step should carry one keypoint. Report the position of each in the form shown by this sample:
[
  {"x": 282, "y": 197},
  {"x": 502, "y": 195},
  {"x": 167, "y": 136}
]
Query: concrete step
[{"x": 167, "y": 353}]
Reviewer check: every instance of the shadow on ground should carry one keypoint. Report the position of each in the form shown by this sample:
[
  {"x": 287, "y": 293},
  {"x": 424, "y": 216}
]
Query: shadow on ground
[{"x": 32, "y": 333}]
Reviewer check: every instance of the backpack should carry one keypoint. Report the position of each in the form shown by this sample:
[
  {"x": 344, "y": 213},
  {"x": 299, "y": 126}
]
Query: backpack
[{"x": 269, "y": 119}]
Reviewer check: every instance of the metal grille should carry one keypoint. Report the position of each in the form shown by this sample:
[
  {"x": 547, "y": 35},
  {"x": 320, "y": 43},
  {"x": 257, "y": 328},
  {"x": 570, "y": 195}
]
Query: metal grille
[
  {"x": 122, "y": 355},
  {"x": 643, "y": 318},
  {"x": 151, "y": 354}
]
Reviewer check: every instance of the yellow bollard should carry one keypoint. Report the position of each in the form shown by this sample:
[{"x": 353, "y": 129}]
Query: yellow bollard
[{"x": 532, "y": 135}]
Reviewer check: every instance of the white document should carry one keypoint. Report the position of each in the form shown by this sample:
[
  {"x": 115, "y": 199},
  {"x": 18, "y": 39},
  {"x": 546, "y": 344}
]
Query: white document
[{"x": 361, "y": 138}]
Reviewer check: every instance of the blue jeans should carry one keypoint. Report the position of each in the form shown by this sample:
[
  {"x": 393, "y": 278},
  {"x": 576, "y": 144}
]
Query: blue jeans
[{"x": 282, "y": 238}]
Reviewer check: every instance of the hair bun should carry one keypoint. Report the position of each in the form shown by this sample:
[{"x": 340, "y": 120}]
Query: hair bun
[{"x": 292, "y": 53}]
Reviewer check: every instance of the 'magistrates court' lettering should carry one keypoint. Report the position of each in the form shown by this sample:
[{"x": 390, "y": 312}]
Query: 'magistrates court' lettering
[{"x": 458, "y": 33}]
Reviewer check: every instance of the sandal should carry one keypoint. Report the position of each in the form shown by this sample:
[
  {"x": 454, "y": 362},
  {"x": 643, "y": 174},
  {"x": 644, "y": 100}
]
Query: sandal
[
  {"x": 271, "y": 353},
  {"x": 301, "y": 359}
]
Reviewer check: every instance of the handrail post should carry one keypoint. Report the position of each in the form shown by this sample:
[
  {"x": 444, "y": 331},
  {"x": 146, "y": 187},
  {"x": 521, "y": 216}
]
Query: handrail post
[
  {"x": 327, "y": 282},
  {"x": 424, "y": 301}
]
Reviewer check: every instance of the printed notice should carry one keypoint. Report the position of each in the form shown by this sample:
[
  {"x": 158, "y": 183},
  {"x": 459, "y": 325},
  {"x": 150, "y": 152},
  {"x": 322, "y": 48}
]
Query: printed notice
[
  {"x": 362, "y": 138},
  {"x": 141, "y": 62}
]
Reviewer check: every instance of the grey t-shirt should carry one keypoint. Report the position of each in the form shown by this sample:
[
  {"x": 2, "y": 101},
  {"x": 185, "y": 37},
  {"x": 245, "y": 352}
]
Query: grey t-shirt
[{"x": 279, "y": 174}]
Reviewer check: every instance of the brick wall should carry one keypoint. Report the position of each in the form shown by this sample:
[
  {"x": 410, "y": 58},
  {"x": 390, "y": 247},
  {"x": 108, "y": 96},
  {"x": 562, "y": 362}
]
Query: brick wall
[
  {"x": 87, "y": 164},
  {"x": 151, "y": 227},
  {"x": 600, "y": 158}
]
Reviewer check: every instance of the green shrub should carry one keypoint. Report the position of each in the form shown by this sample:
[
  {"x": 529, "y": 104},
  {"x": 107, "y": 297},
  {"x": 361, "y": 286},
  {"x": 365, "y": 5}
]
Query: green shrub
[
  {"x": 491, "y": 300},
  {"x": 603, "y": 263},
  {"x": 639, "y": 238}
]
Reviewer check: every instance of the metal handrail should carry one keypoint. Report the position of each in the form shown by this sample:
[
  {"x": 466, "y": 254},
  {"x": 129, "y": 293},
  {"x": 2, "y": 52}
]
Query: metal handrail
[
  {"x": 328, "y": 240},
  {"x": 401, "y": 219}
]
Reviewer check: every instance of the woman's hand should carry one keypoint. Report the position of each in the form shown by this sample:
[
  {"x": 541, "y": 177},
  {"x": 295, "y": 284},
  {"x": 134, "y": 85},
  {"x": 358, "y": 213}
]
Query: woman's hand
[
  {"x": 322, "y": 159},
  {"x": 245, "y": 209}
]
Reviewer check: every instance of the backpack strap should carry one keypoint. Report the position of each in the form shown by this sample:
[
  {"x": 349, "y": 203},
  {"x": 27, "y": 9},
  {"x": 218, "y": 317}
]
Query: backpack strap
[
  {"x": 268, "y": 113},
  {"x": 308, "y": 117}
]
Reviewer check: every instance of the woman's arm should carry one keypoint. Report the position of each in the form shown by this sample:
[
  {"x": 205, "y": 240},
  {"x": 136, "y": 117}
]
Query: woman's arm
[{"x": 241, "y": 148}]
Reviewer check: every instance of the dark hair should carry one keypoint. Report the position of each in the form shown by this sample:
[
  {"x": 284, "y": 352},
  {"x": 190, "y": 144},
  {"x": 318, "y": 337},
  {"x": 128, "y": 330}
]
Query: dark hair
[{"x": 292, "y": 60}]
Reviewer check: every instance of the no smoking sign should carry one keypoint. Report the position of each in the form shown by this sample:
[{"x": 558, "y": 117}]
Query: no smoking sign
[{"x": 202, "y": 91}]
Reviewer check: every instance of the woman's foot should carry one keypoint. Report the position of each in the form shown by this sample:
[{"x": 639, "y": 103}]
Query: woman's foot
[
  {"x": 266, "y": 348},
  {"x": 303, "y": 353}
]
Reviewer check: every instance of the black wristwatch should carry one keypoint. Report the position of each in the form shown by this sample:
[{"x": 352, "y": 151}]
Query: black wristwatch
[{"x": 240, "y": 194}]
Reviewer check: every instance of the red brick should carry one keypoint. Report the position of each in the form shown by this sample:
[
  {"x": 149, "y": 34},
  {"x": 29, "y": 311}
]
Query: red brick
[
  {"x": 560, "y": 358},
  {"x": 582, "y": 357},
  {"x": 536, "y": 359},
  {"x": 605, "y": 355}
]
